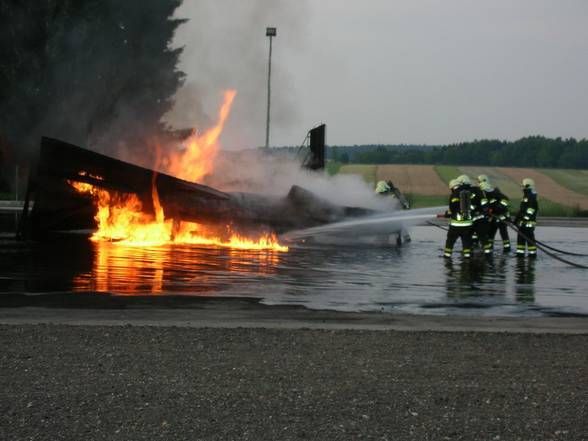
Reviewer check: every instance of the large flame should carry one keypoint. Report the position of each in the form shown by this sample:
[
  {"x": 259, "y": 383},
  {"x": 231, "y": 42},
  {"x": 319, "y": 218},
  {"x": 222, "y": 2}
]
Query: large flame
[{"x": 121, "y": 218}]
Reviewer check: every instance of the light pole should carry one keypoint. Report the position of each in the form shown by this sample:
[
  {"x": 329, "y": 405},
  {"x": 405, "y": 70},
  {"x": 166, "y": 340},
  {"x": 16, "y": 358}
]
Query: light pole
[{"x": 269, "y": 32}]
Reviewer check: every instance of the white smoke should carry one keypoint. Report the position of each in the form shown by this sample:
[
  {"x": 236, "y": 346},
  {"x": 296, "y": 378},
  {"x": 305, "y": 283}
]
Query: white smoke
[{"x": 258, "y": 172}]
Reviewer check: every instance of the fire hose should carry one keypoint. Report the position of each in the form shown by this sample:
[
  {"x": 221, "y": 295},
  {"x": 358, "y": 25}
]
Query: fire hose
[
  {"x": 433, "y": 224},
  {"x": 554, "y": 249},
  {"x": 542, "y": 248}
]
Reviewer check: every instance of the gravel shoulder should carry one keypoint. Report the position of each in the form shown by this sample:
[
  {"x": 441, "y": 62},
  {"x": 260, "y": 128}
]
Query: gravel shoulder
[
  {"x": 238, "y": 371},
  {"x": 60, "y": 382}
]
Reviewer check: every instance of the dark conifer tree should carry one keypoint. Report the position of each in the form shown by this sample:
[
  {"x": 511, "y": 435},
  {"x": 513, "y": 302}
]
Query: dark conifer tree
[{"x": 98, "y": 73}]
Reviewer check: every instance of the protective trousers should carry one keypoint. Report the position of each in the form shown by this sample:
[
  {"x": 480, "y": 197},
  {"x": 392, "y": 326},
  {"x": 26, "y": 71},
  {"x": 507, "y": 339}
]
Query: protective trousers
[
  {"x": 463, "y": 233},
  {"x": 480, "y": 233},
  {"x": 497, "y": 225},
  {"x": 526, "y": 238}
]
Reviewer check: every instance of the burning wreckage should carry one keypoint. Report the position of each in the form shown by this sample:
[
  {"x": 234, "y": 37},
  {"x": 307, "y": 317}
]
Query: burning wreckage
[{"x": 77, "y": 189}]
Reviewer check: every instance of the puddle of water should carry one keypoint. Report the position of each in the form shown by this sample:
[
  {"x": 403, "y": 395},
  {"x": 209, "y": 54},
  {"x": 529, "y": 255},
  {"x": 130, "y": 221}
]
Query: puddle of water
[{"x": 412, "y": 279}]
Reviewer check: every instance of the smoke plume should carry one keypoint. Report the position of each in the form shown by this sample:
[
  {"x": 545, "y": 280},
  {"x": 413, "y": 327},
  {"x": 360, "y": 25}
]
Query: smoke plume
[
  {"x": 257, "y": 171},
  {"x": 224, "y": 46}
]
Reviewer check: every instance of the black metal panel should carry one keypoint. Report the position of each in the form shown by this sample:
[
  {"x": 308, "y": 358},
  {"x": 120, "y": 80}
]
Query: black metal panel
[
  {"x": 59, "y": 207},
  {"x": 317, "y": 148}
]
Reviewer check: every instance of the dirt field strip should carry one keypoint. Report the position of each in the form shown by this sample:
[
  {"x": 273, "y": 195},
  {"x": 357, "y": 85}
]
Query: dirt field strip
[
  {"x": 547, "y": 187},
  {"x": 415, "y": 179}
]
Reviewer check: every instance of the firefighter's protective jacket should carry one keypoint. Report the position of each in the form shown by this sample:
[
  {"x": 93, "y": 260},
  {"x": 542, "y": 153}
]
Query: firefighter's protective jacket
[
  {"x": 498, "y": 203},
  {"x": 460, "y": 209},
  {"x": 527, "y": 216},
  {"x": 479, "y": 202}
]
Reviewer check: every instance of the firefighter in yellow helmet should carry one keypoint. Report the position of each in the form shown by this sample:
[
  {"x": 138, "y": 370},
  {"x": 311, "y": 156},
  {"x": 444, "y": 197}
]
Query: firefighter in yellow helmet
[
  {"x": 478, "y": 207},
  {"x": 498, "y": 212},
  {"x": 460, "y": 219},
  {"x": 526, "y": 219}
]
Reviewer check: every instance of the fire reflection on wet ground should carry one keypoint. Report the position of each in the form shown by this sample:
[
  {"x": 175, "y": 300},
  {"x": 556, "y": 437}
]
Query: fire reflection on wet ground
[
  {"x": 412, "y": 279},
  {"x": 170, "y": 269}
]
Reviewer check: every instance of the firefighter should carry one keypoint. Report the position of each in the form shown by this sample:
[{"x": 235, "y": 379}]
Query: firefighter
[
  {"x": 478, "y": 209},
  {"x": 498, "y": 212},
  {"x": 398, "y": 194},
  {"x": 460, "y": 219},
  {"x": 526, "y": 220}
]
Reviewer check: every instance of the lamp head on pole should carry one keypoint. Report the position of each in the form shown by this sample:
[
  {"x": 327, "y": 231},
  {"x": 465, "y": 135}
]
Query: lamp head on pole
[{"x": 271, "y": 32}]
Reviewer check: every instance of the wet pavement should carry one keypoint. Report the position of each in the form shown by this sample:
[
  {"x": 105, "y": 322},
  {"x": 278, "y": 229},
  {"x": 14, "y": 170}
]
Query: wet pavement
[{"x": 413, "y": 279}]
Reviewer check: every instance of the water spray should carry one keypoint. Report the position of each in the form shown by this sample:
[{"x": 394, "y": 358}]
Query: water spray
[{"x": 392, "y": 223}]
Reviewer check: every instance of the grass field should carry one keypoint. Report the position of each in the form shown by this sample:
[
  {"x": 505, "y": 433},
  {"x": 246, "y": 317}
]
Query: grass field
[
  {"x": 509, "y": 187},
  {"x": 548, "y": 188},
  {"x": 447, "y": 172},
  {"x": 575, "y": 180},
  {"x": 367, "y": 172},
  {"x": 422, "y": 201}
]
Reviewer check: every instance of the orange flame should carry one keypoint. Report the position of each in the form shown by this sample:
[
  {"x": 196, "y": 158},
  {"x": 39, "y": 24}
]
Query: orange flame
[
  {"x": 197, "y": 160},
  {"x": 121, "y": 218}
]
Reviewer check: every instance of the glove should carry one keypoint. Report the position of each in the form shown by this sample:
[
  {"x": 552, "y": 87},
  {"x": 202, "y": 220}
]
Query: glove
[{"x": 440, "y": 215}]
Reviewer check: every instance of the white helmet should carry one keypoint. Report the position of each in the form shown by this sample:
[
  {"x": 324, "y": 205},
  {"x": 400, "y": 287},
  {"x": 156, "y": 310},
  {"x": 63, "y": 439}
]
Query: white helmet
[
  {"x": 464, "y": 179},
  {"x": 528, "y": 183},
  {"x": 483, "y": 178},
  {"x": 382, "y": 187},
  {"x": 485, "y": 186},
  {"x": 454, "y": 183}
]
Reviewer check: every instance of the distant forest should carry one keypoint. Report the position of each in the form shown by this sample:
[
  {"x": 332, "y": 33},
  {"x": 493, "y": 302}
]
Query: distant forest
[{"x": 532, "y": 151}]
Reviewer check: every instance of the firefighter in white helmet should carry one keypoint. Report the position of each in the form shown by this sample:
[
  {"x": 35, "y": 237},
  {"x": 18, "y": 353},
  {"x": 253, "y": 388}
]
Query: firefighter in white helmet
[
  {"x": 498, "y": 212},
  {"x": 460, "y": 219},
  {"x": 478, "y": 207},
  {"x": 526, "y": 219}
]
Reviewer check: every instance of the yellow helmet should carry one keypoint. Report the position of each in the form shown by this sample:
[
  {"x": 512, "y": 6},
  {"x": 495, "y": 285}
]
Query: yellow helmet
[
  {"x": 382, "y": 187},
  {"x": 528, "y": 183},
  {"x": 464, "y": 179},
  {"x": 485, "y": 186},
  {"x": 454, "y": 183}
]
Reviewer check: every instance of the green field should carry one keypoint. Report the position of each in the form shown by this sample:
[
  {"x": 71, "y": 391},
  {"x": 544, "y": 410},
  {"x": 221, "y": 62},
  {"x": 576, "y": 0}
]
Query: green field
[
  {"x": 447, "y": 172},
  {"x": 333, "y": 167},
  {"x": 367, "y": 172},
  {"x": 509, "y": 187},
  {"x": 547, "y": 208},
  {"x": 575, "y": 180},
  {"x": 422, "y": 201}
]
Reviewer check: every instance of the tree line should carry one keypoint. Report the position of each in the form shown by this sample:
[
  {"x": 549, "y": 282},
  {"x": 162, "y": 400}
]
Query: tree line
[{"x": 531, "y": 151}]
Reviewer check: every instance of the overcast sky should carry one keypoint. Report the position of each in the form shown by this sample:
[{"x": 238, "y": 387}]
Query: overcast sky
[{"x": 388, "y": 71}]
